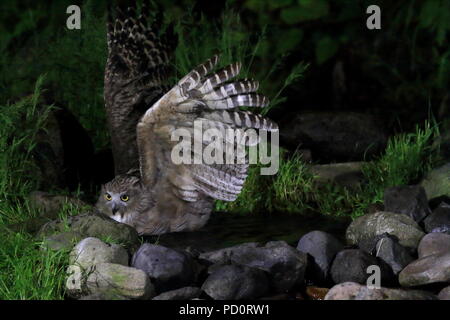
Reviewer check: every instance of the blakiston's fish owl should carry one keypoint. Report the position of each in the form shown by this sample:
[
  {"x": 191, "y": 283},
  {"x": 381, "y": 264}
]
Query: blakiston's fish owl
[{"x": 162, "y": 196}]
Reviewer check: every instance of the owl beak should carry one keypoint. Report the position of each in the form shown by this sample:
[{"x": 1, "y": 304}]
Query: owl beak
[{"x": 114, "y": 208}]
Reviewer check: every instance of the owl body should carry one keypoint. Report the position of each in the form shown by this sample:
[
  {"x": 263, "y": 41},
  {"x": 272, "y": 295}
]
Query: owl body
[
  {"x": 164, "y": 196},
  {"x": 125, "y": 199}
]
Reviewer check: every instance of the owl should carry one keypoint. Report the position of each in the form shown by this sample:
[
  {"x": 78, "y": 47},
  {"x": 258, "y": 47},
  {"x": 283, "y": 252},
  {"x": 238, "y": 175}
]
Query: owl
[{"x": 162, "y": 195}]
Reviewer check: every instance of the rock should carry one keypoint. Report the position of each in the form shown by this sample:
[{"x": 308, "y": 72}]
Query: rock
[
  {"x": 439, "y": 219},
  {"x": 409, "y": 200},
  {"x": 430, "y": 269},
  {"x": 434, "y": 243},
  {"x": 347, "y": 174},
  {"x": 343, "y": 136},
  {"x": 351, "y": 265},
  {"x": 394, "y": 254},
  {"x": 236, "y": 282},
  {"x": 286, "y": 265},
  {"x": 437, "y": 182},
  {"x": 444, "y": 294},
  {"x": 368, "y": 226},
  {"x": 94, "y": 225},
  {"x": 369, "y": 245},
  {"x": 116, "y": 279},
  {"x": 168, "y": 268},
  {"x": 50, "y": 206},
  {"x": 355, "y": 291},
  {"x": 62, "y": 241},
  {"x": 322, "y": 247},
  {"x": 186, "y": 293},
  {"x": 91, "y": 251}
]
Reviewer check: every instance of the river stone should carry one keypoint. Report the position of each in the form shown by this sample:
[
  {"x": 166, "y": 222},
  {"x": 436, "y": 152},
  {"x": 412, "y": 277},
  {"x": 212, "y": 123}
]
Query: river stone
[
  {"x": 439, "y": 219},
  {"x": 409, "y": 200},
  {"x": 369, "y": 226},
  {"x": 394, "y": 254},
  {"x": 437, "y": 182},
  {"x": 355, "y": 291},
  {"x": 434, "y": 243},
  {"x": 286, "y": 265},
  {"x": 94, "y": 225},
  {"x": 186, "y": 293},
  {"x": 444, "y": 294},
  {"x": 430, "y": 269},
  {"x": 120, "y": 280},
  {"x": 236, "y": 282},
  {"x": 91, "y": 251},
  {"x": 350, "y": 265},
  {"x": 322, "y": 247},
  {"x": 168, "y": 268}
]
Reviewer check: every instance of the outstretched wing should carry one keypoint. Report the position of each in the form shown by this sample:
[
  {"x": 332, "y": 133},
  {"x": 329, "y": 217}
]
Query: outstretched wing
[
  {"x": 212, "y": 101},
  {"x": 136, "y": 75}
]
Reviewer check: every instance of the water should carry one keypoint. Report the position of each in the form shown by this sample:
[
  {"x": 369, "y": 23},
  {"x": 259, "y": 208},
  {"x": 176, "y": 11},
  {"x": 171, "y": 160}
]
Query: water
[{"x": 225, "y": 230}]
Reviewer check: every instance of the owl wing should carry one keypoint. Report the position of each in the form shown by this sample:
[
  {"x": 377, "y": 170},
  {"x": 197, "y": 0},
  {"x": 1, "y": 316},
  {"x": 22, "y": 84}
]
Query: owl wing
[
  {"x": 212, "y": 101},
  {"x": 136, "y": 75}
]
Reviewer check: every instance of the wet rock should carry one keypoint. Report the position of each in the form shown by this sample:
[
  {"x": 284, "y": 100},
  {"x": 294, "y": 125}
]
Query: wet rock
[
  {"x": 437, "y": 182},
  {"x": 236, "y": 282},
  {"x": 409, "y": 200},
  {"x": 366, "y": 227},
  {"x": 285, "y": 265},
  {"x": 91, "y": 251},
  {"x": 444, "y": 294},
  {"x": 169, "y": 269},
  {"x": 394, "y": 254},
  {"x": 369, "y": 245},
  {"x": 430, "y": 269},
  {"x": 62, "y": 241},
  {"x": 322, "y": 247},
  {"x": 94, "y": 225},
  {"x": 116, "y": 279},
  {"x": 344, "y": 136},
  {"x": 351, "y": 265},
  {"x": 355, "y": 291},
  {"x": 434, "y": 243},
  {"x": 439, "y": 219},
  {"x": 186, "y": 293},
  {"x": 347, "y": 174}
]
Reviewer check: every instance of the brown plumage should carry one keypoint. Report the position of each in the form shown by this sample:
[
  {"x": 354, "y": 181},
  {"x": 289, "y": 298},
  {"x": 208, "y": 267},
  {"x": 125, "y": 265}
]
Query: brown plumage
[
  {"x": 136, "y": 76},
  {"x": 164, "y": 196}
]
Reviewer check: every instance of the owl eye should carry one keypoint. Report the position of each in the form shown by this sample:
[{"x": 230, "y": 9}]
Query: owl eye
[
  {"x": 108, "y": 197},
  {"x": 124, "y": 198}
]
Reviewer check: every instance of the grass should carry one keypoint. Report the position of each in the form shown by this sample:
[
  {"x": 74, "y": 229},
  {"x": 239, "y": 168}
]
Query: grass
[
  {"x": 27, "y": 271},
  {"x": 406, "y": 159}
]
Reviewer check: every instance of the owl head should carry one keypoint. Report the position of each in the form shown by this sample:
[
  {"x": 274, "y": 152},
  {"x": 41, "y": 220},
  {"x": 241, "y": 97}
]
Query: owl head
[{"x": 122, "y": 197}]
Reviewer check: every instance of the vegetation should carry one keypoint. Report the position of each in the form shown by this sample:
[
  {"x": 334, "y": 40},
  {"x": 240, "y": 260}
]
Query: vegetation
[
  {"x": 293, "y": 189},
  {"x": 27, "y": 270}
]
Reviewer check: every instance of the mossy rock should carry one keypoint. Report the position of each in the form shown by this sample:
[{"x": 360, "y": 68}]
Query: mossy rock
[{"x": 95, "y": 225}]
